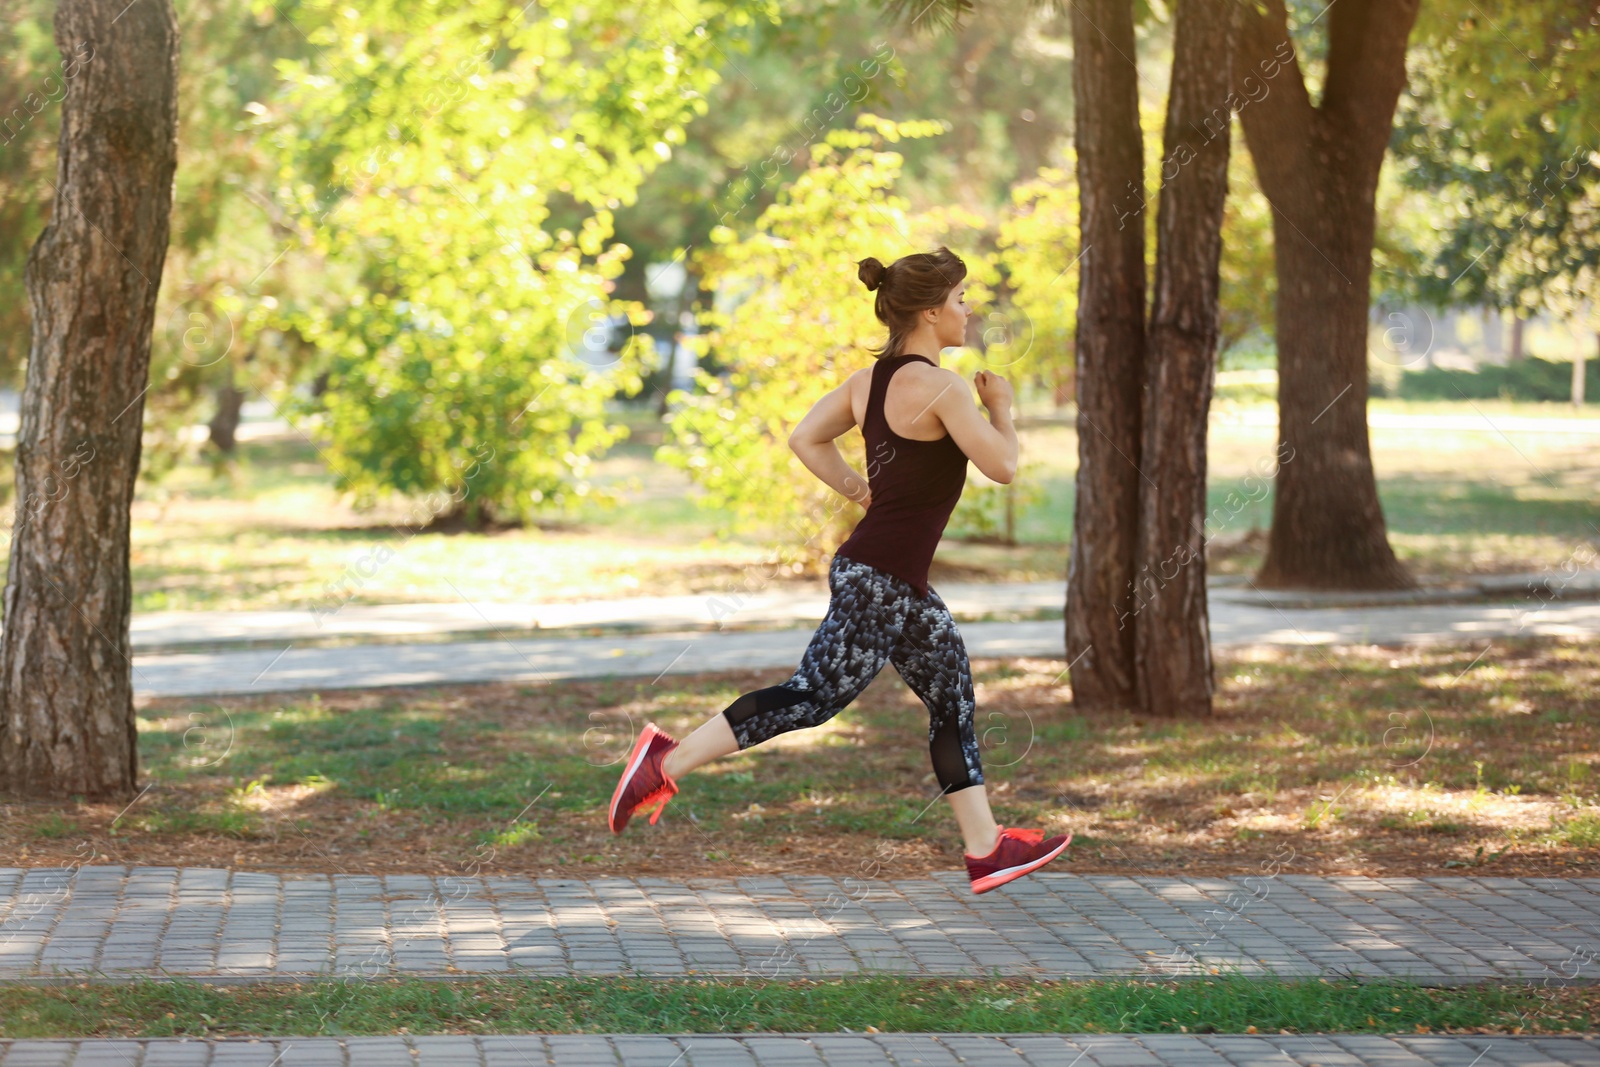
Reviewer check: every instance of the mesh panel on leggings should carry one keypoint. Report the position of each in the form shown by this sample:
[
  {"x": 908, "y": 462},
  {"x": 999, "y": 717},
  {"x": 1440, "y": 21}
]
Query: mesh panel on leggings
[
  {"x": 949, "y": 757},
  {"x": 763, "y": 702}
]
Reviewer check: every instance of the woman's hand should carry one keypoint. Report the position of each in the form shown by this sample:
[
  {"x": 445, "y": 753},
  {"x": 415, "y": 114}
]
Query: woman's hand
[{"x": 992, "y": 389}]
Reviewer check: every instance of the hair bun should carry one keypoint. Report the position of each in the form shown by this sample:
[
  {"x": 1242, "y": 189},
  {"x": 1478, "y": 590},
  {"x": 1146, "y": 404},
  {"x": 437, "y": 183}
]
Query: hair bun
[{"x": 871, "y": 272}]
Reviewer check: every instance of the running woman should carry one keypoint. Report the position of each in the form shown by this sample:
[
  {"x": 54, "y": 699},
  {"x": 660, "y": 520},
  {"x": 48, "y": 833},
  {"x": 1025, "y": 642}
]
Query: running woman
[{"x": 921, "y": 427}]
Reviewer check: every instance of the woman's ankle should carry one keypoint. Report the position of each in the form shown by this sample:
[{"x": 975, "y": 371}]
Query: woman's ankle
[{"x": 994, "y": 843}]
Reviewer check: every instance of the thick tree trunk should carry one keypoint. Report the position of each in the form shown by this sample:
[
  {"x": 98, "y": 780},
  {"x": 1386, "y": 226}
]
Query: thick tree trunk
[
  {"x": 1319, "y": 168},
  {"x": 66, "y": 694},
  {"x": 1110, "y": 354},
  {"x": 1172, "y": 636}
]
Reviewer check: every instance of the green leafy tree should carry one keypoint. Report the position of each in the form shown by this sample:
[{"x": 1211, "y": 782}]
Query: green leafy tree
[
  {"x": 998, "y": 81},
  {"x": 33, "y": 83},
  {"x": 795, "y": 321},
  {"x": 1039, "y": 249},
  {"x": 218, "y": 242},
  {"x": 1497, "y": 131},
  {"x": 475, "y": 154},
  {"x": 1249, "y": 282}
]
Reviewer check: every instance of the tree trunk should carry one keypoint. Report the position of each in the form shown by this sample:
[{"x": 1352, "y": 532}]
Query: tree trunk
[
  {"x": 1110, "y": 353},
  {"x": 1492, "y": 329},
  {"x": 1579, "y": 371},
  {"x": 66, "y": 689},
  {"x": 1319, "y": 168},
  {"x": 1517, "y": 323},
  {"x": 224, "y": 425},
  {"x": 1172, "y": 636}
]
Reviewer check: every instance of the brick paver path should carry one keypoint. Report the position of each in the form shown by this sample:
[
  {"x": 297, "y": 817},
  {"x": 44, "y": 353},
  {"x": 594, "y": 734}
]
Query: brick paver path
[
  {"x": 819, "y": 1050},
  {"x": 208, "y": 922}
]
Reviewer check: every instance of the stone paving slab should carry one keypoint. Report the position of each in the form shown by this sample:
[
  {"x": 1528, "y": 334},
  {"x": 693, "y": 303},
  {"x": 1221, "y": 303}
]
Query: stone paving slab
[
  {"x": 818, "y": 1050},
  {"x": 117, "y": 921},
  {"x": 652, "y": 655}
]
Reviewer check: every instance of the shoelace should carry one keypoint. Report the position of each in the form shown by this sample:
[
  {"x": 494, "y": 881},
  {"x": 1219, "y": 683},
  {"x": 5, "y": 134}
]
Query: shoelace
[
  {"x": 1031, "y": 837},
  {"x": 663, "y": 794}
]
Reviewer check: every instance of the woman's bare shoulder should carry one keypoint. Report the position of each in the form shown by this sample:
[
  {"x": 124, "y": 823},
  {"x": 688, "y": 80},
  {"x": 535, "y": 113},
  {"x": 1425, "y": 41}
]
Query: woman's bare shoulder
[{"x": 924, "y": 378}]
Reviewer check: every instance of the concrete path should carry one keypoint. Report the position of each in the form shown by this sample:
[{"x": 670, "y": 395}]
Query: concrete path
[
  {"x": 654, "y": 655},
  {"x": 820, "y": 1050},
  {"x": 731, "y": 609},
  {"x": 738, "y": 608},
  {"x": 115, "y": 922}
]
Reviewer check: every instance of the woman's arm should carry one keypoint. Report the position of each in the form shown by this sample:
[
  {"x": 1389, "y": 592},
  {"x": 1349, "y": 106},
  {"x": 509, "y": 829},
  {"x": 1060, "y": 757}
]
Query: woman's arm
[
  {"x": 991, "y": 444},
  {"x": 813, "y": 437}
]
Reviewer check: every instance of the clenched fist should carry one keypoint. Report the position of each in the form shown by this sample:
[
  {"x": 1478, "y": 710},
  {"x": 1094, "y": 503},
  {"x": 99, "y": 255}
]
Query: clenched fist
[{"x": 992, "y": 389}]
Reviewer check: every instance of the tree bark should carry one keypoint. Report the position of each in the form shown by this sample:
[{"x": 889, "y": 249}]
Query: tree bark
[
  {"x": 224, "y": 425},
  {"x": 1110, "y": 354},
  {"x": 1172, "y": 635},
  {"x": 66, "y": 690},
  {"x": 1319, "y": 168}
]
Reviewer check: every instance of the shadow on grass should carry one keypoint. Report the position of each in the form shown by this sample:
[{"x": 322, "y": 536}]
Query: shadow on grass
[{"x": 1356, "y": 759}]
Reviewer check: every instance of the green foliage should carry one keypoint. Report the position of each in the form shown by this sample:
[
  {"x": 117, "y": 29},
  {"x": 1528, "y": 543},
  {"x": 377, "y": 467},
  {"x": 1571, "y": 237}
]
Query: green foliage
[
  {"x": 1039, "y": 249},
  {"x": 219, "y": 241},
  {"x": 33, "y": 83},
  {"x": 990, "y": 511},
  {"x": 1531, "y": 378},
  {"x": 792, "y": 323},
  {"x": 1497, "y": 134},
  {"x": 473, "y": 169},
  {"x": 1248, "y": 276}
]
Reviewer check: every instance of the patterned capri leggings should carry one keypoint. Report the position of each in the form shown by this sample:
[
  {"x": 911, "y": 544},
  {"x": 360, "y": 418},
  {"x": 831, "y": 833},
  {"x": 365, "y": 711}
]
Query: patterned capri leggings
[{"x": 875, "y": 618}]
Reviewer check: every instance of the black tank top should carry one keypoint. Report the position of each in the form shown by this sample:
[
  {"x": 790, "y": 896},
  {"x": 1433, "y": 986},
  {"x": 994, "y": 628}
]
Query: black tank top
[{"x": 915, "y": 486}]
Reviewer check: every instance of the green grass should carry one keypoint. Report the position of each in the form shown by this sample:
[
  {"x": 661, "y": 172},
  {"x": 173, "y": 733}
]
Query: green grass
[
  {"x": 1357, "y": 756},
  {"x": 146, "y": 1008}
]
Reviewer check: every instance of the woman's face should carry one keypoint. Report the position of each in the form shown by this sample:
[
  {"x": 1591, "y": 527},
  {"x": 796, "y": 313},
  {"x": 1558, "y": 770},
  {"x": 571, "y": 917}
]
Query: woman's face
[{"x": 951, "y": 325}]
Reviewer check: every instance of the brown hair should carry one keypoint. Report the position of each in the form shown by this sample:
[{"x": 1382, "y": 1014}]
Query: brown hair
[{"x": 908, "y": 285}]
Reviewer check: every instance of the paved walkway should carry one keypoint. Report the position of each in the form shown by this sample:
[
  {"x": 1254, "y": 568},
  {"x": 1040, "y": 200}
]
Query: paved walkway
[
  {"x": 737, "y": 608},
  {"x": 653, "y": 655},
  {"x": 116, "y": 921},
  {"x": 819, "y": 1050}
]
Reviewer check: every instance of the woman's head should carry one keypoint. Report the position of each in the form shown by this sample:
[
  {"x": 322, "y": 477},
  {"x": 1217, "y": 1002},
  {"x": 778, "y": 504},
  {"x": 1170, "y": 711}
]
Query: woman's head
[{"x": 924, "y": 288}]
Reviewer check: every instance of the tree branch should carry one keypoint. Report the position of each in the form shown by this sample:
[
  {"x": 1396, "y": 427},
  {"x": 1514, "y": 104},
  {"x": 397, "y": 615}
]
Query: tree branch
[
  {"x": 1277, "y": 113},
  {"x": 1366, "y": 70}
]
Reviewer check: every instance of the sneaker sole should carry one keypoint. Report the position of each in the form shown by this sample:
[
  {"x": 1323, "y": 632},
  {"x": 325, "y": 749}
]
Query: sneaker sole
[
  {"x": 1011, "y": 874},
  {"x": 640, "y": 747}
]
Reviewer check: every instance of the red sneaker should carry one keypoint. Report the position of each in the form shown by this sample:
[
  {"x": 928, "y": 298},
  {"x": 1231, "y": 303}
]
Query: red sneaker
[
  {"x": 1017, "y": 853},
  {"x": 644, "y": 780}
]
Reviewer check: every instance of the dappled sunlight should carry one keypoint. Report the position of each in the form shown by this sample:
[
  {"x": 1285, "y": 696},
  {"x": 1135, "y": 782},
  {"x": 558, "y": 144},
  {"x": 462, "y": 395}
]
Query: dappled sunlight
[{"x": 1362, "y": 759}]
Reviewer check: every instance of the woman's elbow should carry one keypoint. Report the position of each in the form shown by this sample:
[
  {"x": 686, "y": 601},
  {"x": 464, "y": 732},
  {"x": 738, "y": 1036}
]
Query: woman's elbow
[{"x": 1001, "y": 472}]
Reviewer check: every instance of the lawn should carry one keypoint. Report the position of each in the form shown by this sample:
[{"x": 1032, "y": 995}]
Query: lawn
[
  {"x": 271, "y": 533},
  {"x": 880, "y": 1004},
  {"x": 1362, "y": 759}
]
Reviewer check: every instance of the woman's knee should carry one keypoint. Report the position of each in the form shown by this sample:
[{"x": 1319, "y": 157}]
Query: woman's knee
[{"x": 779, "y": 709}]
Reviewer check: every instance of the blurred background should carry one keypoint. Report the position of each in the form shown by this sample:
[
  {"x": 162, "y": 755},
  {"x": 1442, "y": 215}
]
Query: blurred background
[{"x": 541, "y": 304}]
